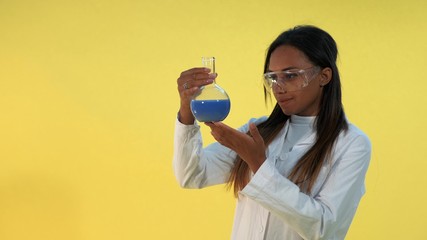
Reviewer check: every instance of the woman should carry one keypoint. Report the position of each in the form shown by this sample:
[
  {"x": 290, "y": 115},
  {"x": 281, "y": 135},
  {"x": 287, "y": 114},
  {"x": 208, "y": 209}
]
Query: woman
[{"x": 298, "y": 174}]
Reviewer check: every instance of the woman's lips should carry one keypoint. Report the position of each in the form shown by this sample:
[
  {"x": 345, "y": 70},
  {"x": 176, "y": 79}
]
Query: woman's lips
[{"x": 284, "y": 100}]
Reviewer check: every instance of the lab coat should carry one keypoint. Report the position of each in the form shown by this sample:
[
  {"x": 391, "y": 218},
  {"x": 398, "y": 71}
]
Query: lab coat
[{"x": 270, "y": 204}]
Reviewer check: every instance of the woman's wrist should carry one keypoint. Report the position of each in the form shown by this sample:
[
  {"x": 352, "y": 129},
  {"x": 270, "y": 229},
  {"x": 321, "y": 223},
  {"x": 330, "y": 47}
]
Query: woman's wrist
[{"x": 185, "y": 117}]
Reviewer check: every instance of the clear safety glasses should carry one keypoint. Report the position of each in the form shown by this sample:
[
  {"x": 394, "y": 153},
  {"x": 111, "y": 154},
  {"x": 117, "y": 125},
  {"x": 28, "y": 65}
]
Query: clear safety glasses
[{"x": 290, "y": 80}]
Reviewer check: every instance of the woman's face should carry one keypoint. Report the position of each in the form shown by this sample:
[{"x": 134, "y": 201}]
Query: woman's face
[{"x": 303, "y": 102}]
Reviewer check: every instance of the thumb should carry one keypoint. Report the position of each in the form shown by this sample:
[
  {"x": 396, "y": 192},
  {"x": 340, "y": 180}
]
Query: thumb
[{"x": 255, "y": 133}]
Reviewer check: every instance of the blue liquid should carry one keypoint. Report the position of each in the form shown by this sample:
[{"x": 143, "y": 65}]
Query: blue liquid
[{"x": 210, "y": 110}]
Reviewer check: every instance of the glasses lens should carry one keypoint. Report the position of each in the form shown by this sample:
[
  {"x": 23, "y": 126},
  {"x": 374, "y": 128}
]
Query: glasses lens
[
  {"x": 268, "y": 81},
  {"x": 291, "y": 80}
]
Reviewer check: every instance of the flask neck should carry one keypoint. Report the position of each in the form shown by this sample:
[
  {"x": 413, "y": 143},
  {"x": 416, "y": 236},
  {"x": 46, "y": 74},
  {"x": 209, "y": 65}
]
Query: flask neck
[{"x": 209, "y": 62}]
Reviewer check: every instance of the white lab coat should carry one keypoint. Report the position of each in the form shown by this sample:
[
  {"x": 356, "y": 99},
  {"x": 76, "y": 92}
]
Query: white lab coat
[{"x": 271, "y": 205}]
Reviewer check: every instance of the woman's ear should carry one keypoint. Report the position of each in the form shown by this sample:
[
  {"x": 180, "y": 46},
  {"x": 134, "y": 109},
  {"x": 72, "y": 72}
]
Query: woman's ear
[{"x": 326, "y": 76}]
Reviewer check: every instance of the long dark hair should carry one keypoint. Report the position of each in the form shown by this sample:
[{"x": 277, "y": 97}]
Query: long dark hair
[{"x": 321, "y": 50}]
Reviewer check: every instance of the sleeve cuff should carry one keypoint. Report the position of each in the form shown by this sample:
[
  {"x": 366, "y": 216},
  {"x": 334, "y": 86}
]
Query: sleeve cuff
[
  {"x": 260, "y": 179},
  {"x": 267, "y": 181},
  {"x": 183, "y": 131}
]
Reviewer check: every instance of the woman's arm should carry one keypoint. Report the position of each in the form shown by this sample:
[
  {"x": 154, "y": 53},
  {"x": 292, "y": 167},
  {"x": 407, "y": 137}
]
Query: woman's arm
[
  {"x": 198, "y": 167},
  {"x": 194, "y": 166},
  {"x": 328, "y": 213}
]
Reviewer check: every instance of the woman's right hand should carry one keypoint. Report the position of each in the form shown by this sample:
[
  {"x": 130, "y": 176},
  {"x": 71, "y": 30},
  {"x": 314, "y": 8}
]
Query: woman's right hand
[{"x": 189, "y": 83}]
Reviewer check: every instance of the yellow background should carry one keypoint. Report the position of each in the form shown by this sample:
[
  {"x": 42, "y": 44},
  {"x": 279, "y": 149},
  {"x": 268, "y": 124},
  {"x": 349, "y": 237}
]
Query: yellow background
[{"x": 88, "y": 102}]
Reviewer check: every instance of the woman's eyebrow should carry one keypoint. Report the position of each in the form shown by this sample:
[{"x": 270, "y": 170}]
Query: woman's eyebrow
[{"x": 284, "y": 69}]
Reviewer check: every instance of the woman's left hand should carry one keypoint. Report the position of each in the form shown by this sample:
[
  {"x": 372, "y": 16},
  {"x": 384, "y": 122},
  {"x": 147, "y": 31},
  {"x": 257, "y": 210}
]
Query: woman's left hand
[{"x": 250, "y": 148}]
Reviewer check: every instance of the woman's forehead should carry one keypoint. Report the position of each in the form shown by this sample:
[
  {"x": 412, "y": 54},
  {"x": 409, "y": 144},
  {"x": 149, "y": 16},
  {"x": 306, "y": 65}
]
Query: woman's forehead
[{"x": 287, "y": 57}]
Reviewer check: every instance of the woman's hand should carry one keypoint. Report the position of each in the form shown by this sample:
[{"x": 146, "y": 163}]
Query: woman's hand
[
  {"x": 250, "y": 148},
  {"x": 188, "y": 84}
]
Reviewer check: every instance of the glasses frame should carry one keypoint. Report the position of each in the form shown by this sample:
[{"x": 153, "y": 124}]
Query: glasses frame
[{"x": 271, "y": 78}]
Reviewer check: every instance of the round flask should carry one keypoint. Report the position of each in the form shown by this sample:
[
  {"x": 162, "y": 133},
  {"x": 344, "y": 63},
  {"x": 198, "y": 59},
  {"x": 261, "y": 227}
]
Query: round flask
[{"x": 211, "y": 103}]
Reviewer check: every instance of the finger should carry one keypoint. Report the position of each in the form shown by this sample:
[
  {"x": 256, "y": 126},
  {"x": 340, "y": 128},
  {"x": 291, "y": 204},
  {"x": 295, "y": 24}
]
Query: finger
[
  {"x": 193, "y": 74},
  {"x": 196, "y": 74},
  {"x": 214, "y": 131},
  {"x": 196, "y": 80},
  {"x": 217, "y": 130},
  {"x": 255, "y": 133},
  {"x": 195, "y": 70},
  {"x": 193, "y": 83},
  {"x": 210, "y": 124},
  {"x": 190, "y": 92},
  {"x": 224, "y": 132}
]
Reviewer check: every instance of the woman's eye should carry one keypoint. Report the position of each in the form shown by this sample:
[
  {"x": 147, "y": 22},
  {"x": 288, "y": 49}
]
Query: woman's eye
[{"x": 290, "y": 76}]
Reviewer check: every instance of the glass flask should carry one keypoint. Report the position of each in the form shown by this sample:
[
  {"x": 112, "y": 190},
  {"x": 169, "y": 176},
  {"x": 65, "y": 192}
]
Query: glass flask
[{"x": 211, "y": 103}]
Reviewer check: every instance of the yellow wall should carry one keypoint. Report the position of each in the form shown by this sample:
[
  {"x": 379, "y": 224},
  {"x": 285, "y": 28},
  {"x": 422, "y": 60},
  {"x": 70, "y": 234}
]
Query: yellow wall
[{"x": 88, "y": 101}]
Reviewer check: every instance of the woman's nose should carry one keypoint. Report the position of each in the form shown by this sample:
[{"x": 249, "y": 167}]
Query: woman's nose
[{"x": 278, "y": 88}]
